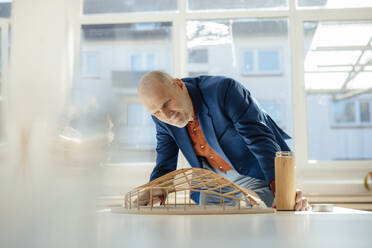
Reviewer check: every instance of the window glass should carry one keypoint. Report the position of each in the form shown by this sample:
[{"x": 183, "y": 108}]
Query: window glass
[
  {"x": 248, "y": 64},
  {"x": 235, "y": 4},
  {"x": 335, "y": 3},
  {"x": 150, "y": 62},
  {"x": 344, "y": 112},
  {"x": 122, "y": 6},
  {"x": 240, "y": 48},
  {"x": 90, "y": 66},
  {"x": 268, "y": 60},
  {"x": 337, "y": 81},
  {"x": 121, "y": 54},
  {"x": 198, "y": 56},
  {"x": 136, "y": 62},
  {"x": 365, "y": 112},
  {"x": 5, "y": 8},
  {"x": 261, "y": 61}
]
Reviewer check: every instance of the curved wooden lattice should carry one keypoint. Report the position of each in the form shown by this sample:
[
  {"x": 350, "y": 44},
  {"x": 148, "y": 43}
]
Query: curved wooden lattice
[{"x": 177, "y": 186}]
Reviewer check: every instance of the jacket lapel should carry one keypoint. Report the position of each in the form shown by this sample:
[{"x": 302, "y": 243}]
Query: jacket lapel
[
  {"x": 205, "y": 121},
  {"x": 184, "y": 143}
]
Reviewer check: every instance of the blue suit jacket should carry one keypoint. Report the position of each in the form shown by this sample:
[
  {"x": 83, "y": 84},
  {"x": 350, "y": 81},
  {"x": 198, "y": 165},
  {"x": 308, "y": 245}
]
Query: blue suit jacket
[{"x": 233, "y": 124}]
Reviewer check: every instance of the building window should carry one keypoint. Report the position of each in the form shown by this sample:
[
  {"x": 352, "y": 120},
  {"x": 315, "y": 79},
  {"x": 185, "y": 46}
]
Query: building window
[
  {"x": 142, "y": 61},
  {"x": 90, "y": 64},
  {"x": 352, "y": 112},
  {"x": 365, "y": 111},
  {"x": 261, "y": 61},
  {"x": 136, "y": 130},
  {"x": 138, "y": 116},
  {"x": 198, "y": 56}
]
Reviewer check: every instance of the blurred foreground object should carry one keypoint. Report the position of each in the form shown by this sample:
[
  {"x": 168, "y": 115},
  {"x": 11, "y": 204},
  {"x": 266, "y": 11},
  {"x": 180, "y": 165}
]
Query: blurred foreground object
[
  {"x": 325, "y": 207},
  {"x": 366, "y": 180}
]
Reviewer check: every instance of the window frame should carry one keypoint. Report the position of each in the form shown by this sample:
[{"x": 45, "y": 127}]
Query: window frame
[
  {"x": 338, "y": 176},
  {"x": 5, "y": 44}
]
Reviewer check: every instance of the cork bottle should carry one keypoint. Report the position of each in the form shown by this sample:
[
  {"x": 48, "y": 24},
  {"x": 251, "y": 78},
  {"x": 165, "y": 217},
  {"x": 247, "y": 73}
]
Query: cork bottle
[{"x": 285, "y": 181}]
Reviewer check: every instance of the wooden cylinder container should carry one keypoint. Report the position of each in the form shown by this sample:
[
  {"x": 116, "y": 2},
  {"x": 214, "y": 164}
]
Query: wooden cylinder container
[{"x": 285, "y": 181}]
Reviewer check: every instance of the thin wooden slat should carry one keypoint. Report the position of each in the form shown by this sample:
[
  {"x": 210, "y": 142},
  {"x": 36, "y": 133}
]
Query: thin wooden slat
[
  {"x": 167, "y": 203},
  {"x": 138, "y": 200},
  {"x": 189, "y": 198},
  {"x": 205, "y": 201},
  {"x": 130, "y": 200},
  {"x": 151, "y": 202}
]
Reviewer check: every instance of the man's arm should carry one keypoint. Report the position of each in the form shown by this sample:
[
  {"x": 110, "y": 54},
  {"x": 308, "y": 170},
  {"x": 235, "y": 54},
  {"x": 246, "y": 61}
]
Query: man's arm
[
  {"x": 166, "y": 152},
  {"x": 249, "y": 121},
  {"x": 166, "y": 161}
]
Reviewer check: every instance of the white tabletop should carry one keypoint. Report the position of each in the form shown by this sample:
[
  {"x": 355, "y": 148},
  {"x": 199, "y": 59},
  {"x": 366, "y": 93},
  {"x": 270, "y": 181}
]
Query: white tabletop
[{"x": 341, "y": 228}]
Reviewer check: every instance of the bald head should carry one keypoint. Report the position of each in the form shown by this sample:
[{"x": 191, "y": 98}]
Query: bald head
[
  {"x": 166, "y": 98},
  {"x": 152, "y": 78}
]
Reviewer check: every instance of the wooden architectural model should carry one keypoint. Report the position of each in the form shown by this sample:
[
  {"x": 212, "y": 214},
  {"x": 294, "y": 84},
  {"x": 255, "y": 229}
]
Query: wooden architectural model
[{"x": 176, "y": 188}]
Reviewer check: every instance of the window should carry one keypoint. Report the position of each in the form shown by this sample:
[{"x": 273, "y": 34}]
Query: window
[
  {"x": 198, "y": 56},
  {"x": 352, "y": 113},
  {"x": 365, "y": 111},
  {"x": 5, "y": 8},
  {"x": 235, "y": 4},
  {"x": 308, "y": 63},
  {"x": 344, "y": 112},
  {"x": 249, "y": 44},
  {"x": 138, "y": 128},
  {"x": 142, "y": 62},
  {"x": 248, "y": 64},
  {"x": 261, "y": 61},
  {"x": 90, "y": 64},
  {"x": 338, "y": 79},
  {"x": 120, "y": 54},
  {"x": 335, "y": 3},
  {"x": 115, "y": 6},
  {"x": 268, "y": 61}
]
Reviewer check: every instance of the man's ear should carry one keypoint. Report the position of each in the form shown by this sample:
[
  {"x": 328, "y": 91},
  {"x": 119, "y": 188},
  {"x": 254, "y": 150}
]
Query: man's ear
[{"x": 179, "y": 82}]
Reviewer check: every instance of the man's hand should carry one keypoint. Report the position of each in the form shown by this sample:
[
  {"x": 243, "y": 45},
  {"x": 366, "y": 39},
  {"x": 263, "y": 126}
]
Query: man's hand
[
  {"x": 301, "y": 202},
  {"x": 158, "y": 196}
]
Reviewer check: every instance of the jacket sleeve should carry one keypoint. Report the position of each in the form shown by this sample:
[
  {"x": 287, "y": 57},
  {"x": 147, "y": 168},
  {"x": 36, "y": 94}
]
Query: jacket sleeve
[
  {"x": 249, "y": 121},
  {"x": 166, "y": 152}
]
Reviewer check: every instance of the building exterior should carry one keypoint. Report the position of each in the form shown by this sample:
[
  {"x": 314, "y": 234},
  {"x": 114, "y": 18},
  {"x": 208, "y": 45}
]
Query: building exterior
[{"x": 254, "y": 52}]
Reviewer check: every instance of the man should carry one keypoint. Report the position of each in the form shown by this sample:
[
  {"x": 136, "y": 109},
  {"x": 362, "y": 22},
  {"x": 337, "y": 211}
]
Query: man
[{"x": 217, "y": 125}]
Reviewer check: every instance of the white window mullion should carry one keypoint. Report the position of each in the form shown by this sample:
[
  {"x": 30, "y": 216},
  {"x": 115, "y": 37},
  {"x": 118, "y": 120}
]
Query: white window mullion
[
  {"x": 4, "y": 56},
  {"x": 298, "y": 87},
  {"x": 135, "y": 17},
  {"x": 345, "y": 14},
  {"x": 180, "y": 42},
  {"x": 237, "y": 14},
  {"x": 75, "y": 16}
]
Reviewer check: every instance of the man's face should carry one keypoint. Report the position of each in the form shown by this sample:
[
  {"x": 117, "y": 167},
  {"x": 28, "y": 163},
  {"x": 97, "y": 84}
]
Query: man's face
[{"x": 169, "y": 104}]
